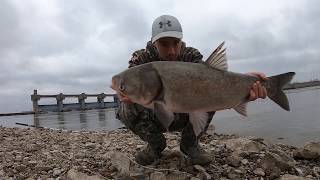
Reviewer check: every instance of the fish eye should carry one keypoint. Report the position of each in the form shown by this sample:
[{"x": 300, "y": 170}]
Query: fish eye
[{"x": 121, "y": 88}]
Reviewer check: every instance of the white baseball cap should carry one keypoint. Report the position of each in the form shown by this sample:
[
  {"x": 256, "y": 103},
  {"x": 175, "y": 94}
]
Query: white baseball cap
[{"x": 166, "y": 26}]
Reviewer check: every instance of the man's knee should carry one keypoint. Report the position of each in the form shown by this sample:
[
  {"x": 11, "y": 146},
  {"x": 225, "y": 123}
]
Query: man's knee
[{"x": 143, "y": 123}]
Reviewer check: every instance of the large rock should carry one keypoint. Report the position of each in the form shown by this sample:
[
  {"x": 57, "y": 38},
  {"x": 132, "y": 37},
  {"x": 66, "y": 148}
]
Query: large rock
[
  {"x": 177, "y": 176},
  {"x": 292, "y": 177},
  {"x": 157, "y": 176},
  {"x": 234, "y": 160},
  {"x": 309, "y": 151},
  {"x": 316, "y": 171},
  {"x": 273, "y": 163},
  {"x": 203, "y": 173},
  {"x": 120, "y": 161},
  {"x": 73, "y": 174},
  {"x": 259, "y": 172},
  {"x": 243, "y": 144}
]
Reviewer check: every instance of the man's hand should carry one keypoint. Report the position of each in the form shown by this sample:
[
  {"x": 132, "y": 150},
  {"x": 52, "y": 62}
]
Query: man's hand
[{"x": 257, "y": 90}]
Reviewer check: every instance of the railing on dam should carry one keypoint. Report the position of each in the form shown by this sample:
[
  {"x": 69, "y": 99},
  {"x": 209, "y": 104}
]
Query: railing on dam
[{"x": 81, "y": 105}]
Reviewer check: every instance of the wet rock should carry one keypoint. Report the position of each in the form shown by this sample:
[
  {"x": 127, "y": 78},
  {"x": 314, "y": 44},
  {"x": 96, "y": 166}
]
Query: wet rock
[
  {"x": 21, "y": 168},
  {"x": 137, "y": 175},
  {"x": 292, "y": 177},
  {"x": 106, "y": 143},
  {"x": 140, "y": 146},
  {"x": 244, "y": 161},
  {"x": 177, "y": 176},
  {"x": 56, "y": 172},
  {"x": 234, "y": 160},
  {"x": 203, "y": 172},
  {"x": 73, "y": 174},
  {"x": 299, "y": 171},
  {"x": 243, "y": 144},
  {"x": 43, "y": 168},
  {"x": 194, "y": 178},
  {"x": 275, "y": 173},
  {"x": 199, "y": 168},
  {"x": 233, "y": 175},
  {"x": 1, "y": 173},
  {"x": 90, "y": 145},
  {"x": 120, "y": 161},
  {"x": 285, "y": 157},
  {"x": 18, "y": 158},
  {"x": 272, "y": 161},
  {"x": 32, "y": 163},
  {"x": 310, "y": 177},
  {"x": 259, "y": 172},
  {"x": 157, "y": 176},
  {"x": 316, "y": 172},
  {"x": 309, "y": 151}
]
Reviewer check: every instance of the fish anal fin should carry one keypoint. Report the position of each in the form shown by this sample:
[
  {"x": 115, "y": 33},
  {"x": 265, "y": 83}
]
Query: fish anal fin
[
  {"x": 198, "y": 121},
  {"x": 241, "y": 108}
]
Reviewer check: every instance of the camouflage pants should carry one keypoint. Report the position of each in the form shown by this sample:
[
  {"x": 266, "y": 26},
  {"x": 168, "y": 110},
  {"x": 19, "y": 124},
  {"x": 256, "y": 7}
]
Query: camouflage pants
[{"x": 143, "y": 122}]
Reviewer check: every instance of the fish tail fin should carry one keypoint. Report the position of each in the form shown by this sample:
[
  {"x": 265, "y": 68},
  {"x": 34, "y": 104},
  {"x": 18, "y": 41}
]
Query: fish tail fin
[{"x": 274, "y": 88}]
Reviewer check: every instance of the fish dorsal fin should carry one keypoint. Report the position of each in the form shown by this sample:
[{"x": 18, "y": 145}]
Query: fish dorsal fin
[
  {"x": 218, "y": 58},
  {"x": 241, "y": 109},
  {"x": 199, "y": 121}
]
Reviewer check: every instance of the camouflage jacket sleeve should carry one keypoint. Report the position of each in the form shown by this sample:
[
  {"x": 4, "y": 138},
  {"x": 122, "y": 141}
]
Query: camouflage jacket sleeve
[
  {"x": 190, "y": 54},
  {"x": 139, "y": 57}
]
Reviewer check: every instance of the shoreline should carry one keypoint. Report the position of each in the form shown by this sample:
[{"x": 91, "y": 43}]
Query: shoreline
[{"x": 46, "y": 153}]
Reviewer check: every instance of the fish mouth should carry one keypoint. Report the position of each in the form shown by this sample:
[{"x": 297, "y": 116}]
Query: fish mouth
[
  {"x": 121, "y": 95},
  {"x": 115, "y": 86}
]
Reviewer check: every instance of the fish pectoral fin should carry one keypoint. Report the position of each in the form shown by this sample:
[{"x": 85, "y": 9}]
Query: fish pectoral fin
[
  {"x": 241, "y": 108},
  {"x": 165, "y": 116},
  {"x": 198, "y": 121},
  {"x": 218, "y": 58}
]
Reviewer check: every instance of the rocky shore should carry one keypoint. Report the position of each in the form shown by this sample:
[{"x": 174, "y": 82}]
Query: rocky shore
[{"x": 57, "y": 154}]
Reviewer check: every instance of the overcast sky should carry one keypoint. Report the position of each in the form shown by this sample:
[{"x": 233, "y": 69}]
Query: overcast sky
[{"x": 76, "y": 46}]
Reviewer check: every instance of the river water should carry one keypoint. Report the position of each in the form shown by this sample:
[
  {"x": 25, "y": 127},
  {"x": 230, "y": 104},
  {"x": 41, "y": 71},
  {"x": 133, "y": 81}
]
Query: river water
[{"x": 265, "y": 119}]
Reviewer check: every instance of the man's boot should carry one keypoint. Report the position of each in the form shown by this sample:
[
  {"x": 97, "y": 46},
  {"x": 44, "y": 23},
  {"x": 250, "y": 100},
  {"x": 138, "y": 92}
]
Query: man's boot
[
  {"x": 196, "y": 154},
  {"x": 189, "y": 145},
  {"x": 147, "y": 156}
]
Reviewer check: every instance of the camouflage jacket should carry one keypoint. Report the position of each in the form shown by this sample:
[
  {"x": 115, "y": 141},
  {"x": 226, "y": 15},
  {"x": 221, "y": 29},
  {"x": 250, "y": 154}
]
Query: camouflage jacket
[
  {"x": 133, "y": 114},
  {"x": 188, "y": 54}
]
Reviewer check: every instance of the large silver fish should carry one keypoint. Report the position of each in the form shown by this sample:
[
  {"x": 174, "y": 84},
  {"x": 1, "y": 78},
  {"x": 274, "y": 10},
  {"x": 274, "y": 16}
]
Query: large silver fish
[{"x": 170, "y": 87}]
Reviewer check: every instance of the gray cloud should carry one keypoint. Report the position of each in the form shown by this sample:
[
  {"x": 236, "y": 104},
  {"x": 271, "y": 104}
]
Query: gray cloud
[{"x": 77, "y": 46}]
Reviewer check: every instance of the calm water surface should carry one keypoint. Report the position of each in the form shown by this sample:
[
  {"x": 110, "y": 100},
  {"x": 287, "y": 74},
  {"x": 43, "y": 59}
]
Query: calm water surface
[{"x": 265, "y": 119}]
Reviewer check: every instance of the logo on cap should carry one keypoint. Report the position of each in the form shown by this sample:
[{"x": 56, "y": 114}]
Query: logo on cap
[{"x": 168, "y": 23}]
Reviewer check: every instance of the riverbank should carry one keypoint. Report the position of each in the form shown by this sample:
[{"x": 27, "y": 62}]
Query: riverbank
[{"x": 44, "y": 153}]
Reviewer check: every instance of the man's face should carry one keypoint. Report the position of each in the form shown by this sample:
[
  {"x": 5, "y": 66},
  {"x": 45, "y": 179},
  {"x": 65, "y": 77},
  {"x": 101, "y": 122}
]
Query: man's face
[{"x": 168, "y": 48}]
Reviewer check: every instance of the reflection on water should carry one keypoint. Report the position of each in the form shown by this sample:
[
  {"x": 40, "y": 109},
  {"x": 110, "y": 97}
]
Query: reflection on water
[
  {"x": 102, "y": 119},
  {"x": 265, "y": 119},
  {"x": 99, "y": 119}
]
